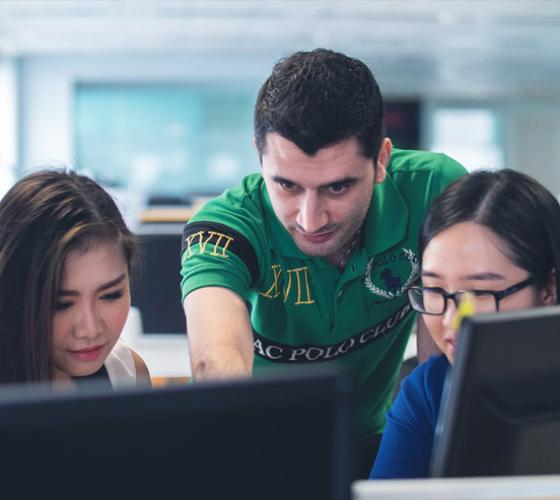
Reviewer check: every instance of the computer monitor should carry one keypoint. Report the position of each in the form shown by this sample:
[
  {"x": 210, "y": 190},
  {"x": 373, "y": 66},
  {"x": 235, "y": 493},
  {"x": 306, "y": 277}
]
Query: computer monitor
[
  {"x": 480, "y": 488},
  {"x": 500, "y": 412},
  {"x": 274, "y": 437}
]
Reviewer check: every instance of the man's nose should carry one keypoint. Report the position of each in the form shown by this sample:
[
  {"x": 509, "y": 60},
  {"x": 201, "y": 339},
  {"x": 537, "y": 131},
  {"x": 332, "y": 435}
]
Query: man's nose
[{"x": 312, "y": 215}]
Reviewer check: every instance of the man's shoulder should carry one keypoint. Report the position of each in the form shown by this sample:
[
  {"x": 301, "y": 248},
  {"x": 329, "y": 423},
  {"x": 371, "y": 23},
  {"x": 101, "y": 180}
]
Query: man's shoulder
[
  {"x": 246, "y": 196},
  {"x": 422, "y": 175},
  {"x": 234, "y": 220},
  {"x": 413, "y": 161},
  {"x": 225, "y": 243}
]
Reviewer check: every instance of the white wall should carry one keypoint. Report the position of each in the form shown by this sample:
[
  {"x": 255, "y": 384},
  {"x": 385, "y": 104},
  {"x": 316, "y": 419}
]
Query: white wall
[{"x": 532, "y": 139}]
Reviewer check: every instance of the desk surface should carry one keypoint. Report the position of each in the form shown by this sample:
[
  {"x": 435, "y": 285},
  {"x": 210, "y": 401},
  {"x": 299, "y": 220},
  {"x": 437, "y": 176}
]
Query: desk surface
[
  {"x": 167, "y": 214},
  {"x": 479, "y": 488},
  {"x": 172, "y": 213},
  {"x": 167, "y": 356}
]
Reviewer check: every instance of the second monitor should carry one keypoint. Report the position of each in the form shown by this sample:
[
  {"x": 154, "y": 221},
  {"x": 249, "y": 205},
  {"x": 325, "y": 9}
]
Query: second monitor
[{"x": 501, "y": 409}]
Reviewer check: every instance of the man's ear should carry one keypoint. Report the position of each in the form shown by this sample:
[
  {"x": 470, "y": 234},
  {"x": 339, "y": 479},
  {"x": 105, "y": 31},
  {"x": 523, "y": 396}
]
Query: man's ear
[
  {"x": 549, "y": 297},
  {"x": 382, "y": 161}
]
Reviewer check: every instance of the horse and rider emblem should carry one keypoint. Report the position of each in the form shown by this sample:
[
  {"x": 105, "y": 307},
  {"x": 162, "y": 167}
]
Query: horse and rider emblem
[{"x": 389, "y": 276}]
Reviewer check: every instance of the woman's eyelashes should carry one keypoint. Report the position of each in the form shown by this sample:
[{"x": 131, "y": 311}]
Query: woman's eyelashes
[
  {"x": 62, "y": 305},
  {"x": 115, "y": 295}
]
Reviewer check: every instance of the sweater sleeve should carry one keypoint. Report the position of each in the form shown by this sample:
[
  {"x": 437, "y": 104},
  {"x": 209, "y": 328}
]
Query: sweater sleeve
[{"x": 407, "y": 442}]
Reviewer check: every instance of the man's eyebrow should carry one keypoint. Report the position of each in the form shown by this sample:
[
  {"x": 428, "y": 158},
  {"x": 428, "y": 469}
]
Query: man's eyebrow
[
  {"x": 344, "y": 180},
  {"x": 105, "y": 286},
  {"x": 487, "y": 276},
  {"x": 280, "y": 179}
]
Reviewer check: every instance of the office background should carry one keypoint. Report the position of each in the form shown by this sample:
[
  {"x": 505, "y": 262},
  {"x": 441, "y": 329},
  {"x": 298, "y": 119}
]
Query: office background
[{"x": 154, "y": 98}]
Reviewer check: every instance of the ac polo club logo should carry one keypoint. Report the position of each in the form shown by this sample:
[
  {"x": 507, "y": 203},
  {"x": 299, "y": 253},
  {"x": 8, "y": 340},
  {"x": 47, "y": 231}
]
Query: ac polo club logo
[{"x": 392, "y": 273}]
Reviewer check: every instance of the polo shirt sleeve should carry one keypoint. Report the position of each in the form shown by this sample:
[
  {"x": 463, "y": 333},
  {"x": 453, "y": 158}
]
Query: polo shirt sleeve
[
  {"x": 447, "y": 171},
  {"x": 406, "y": 447},
  {"x": 223, "y": 246}
]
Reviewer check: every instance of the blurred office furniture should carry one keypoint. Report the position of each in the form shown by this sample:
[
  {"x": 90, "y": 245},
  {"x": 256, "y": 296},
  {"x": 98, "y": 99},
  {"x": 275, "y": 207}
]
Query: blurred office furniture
[
  {"x": 156, "y": 292},
  {"x": 476, "y": 488},
  {"x": 166, "y": 355},
  {"x": 156, "y": 325}
]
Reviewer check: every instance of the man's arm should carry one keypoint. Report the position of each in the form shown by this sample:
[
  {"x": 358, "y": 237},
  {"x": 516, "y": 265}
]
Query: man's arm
[
  {"x": 425, "y": 346},
  {"x": 220, "y": 334}
]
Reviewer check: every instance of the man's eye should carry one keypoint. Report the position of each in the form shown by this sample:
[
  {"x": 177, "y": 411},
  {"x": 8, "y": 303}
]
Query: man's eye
[
  {"x": 287, "y": 185},
  {"x": 338, "y": 188}
]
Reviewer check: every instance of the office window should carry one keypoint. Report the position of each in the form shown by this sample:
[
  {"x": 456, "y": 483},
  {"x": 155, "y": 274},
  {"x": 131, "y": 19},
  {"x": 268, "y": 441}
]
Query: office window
[
  {"x": 165, "y": 140},
  {"x": 470, "y": 135}
]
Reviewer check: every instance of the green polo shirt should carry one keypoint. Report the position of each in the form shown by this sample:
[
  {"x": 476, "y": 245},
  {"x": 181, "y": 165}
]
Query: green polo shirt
[{"x": 303, "y": 309}]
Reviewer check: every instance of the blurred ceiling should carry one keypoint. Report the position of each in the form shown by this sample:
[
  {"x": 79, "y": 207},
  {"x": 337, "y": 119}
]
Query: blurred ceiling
[{"x": 474, "y": 48}]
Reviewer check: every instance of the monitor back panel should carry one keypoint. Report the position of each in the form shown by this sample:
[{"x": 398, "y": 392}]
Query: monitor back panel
[
  {"x": 259, "y": 439},
  {"x": 503, "y": 398}
]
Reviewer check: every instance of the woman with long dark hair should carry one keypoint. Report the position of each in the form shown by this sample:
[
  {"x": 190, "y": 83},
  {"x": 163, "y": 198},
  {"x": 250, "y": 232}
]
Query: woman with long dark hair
[
  {"x": 65, "y": 261},
  {"x": 497, "y": 235}
]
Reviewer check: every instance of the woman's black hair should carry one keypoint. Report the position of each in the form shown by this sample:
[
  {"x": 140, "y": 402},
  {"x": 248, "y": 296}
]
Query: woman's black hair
[{"x": 516, "y": 207}]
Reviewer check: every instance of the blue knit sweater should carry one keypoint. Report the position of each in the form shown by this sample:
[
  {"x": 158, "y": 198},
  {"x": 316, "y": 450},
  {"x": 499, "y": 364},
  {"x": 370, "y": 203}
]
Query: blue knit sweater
[{"x": 408, "y": 438}]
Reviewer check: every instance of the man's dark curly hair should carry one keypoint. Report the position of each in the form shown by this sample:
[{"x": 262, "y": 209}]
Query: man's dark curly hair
[{"x": 319, "y": 98}]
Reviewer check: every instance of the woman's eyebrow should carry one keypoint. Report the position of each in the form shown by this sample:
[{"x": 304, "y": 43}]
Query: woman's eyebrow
[
  {"x": 425, "y": 273},
  {"x": 112, "y": 283},
  {"x": 484, "y": 276},
  {"x": 105, "y": 286},
  {"x": 487, "y": 276}
]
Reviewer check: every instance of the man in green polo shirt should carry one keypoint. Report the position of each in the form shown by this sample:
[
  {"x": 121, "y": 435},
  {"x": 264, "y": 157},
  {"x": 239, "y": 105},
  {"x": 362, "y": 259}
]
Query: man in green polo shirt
[{"x": 322, "y": 244}]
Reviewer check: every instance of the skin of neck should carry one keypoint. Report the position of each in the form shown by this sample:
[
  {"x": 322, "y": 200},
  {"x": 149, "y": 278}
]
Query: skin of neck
[{"x": 340, "y": 258}]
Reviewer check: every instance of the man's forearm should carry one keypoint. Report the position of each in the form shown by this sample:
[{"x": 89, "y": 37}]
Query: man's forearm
[
  {"x": 220, "y": 334},
  {"x": 225, "y": 363}
]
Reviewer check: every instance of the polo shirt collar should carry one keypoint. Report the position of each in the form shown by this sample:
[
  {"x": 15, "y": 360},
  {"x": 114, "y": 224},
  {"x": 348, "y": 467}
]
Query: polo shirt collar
[{"x": 386, "y": 222}]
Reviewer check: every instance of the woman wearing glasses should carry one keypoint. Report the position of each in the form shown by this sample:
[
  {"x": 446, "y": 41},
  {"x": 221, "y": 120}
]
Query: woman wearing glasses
[{"x": 497, "y": 235}]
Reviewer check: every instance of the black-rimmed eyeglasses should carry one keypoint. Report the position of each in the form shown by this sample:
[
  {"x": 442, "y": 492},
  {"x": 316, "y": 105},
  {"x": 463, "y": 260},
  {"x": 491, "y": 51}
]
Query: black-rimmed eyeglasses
[{"x": 433, "y": 300}]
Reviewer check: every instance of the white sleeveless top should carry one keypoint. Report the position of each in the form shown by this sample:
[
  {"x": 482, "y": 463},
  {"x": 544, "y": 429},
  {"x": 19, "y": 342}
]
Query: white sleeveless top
[{"x": 120, "y": 366}]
